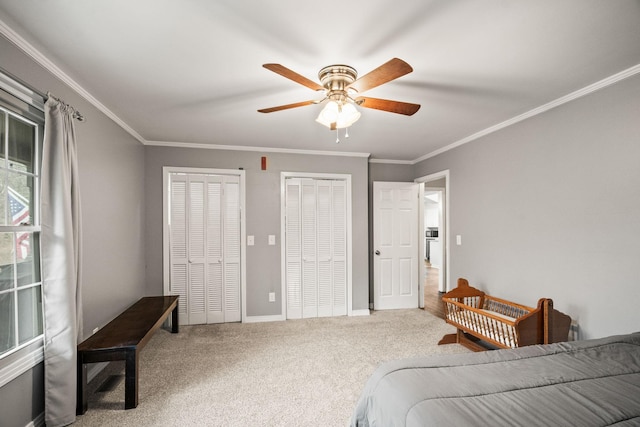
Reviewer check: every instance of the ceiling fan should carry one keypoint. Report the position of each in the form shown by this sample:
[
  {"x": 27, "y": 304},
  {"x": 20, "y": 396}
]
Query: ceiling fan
[{"x": 340, "y": 83}]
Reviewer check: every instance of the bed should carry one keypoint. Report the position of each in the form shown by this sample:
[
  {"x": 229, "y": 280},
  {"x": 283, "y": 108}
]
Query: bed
[
  {"x": 499, "y": 323},
  {"x": 579, "y": 383}
]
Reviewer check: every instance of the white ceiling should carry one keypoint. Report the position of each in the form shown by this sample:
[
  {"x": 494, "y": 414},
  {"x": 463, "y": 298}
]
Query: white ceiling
[{"x": 190, "y": 71}]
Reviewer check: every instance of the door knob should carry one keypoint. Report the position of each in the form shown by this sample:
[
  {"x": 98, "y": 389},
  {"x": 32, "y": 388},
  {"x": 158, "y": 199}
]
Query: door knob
[{"x": 377, "y": 252}]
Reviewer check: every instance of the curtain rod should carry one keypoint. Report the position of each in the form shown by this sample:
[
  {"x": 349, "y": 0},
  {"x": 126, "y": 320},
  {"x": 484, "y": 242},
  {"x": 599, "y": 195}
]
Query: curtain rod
[
  {"x": 13, "y": 84},
  {"x": 76, "y": 114}
]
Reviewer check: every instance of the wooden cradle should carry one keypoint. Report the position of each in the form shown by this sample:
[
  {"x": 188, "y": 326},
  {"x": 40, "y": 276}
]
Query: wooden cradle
[{"x": 498, "y": 322}]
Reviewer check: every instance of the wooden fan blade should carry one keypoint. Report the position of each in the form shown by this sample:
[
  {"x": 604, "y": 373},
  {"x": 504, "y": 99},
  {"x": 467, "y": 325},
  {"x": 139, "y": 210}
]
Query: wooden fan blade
[
  {"x": 286, "y": 107},
  {"x": 292, "y": 75},
  {"x": 388, "y": 71},
  {"x": 386, "y": 105}
]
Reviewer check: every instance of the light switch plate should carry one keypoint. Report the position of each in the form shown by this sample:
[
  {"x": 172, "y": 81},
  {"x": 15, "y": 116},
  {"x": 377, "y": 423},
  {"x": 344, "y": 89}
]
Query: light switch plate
[
  {"x": 251, "y": 240},
  {"x": 272, "y": 239},
  {"x": 458, "y": 240}
]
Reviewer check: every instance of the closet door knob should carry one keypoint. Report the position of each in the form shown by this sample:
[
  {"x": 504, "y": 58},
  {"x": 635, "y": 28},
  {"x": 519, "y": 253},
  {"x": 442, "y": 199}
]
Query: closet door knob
[{"x": 377, "y": 252}]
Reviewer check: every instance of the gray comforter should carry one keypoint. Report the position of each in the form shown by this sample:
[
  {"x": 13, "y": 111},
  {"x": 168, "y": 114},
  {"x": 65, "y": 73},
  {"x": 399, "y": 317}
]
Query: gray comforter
[{"x": 582, "y": 383}]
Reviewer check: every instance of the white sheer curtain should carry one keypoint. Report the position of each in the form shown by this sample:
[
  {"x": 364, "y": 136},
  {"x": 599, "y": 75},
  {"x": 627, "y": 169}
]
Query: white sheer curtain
[{"x": 61, "y": 252}]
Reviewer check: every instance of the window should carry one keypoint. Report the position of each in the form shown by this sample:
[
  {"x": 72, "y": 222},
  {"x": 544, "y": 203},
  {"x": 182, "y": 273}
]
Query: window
[{"x": 21, "y": 311}]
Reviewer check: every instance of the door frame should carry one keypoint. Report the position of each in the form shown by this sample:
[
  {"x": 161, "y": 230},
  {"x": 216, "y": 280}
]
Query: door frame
[
  {"x": 283, "y": 266},
  {"x": 447, "y": 234},
  {"x": 442, "y": 203},
  {"x": 166, "y": 273}
]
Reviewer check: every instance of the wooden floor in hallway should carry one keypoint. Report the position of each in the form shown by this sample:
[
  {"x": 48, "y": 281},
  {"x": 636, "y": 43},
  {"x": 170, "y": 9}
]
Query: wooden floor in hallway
[{"x": 432, "y": 297}]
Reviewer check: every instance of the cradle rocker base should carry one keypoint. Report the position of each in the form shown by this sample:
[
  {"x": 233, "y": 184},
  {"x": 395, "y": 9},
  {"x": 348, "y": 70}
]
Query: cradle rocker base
[{"x": 469, "y": 341}]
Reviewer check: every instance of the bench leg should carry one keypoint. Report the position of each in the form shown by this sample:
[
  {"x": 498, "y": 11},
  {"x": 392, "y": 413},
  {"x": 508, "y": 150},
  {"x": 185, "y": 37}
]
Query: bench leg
[
  {"x": 131, "y": 379},
  {"x": 174, "y": 319},
  {"x": 81, "y": 390}
]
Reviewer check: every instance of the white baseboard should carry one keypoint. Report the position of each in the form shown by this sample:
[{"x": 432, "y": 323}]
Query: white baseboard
[
  {"x": 37, "y": 422},
  {"x": 364, "y": 312},
  {"x": 280, "y": 318},
  {"x": 260, "y": 319}
]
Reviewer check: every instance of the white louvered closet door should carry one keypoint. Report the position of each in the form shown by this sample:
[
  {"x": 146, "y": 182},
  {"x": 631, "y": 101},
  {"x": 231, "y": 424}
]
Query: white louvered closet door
[
  {"x": 178, "y": 253},
  {"x": 205, "y": 247},
  {"x": 293, "y": 251},
  {"x": 324, "y": 249},
  {"x": 309, "y": 256},
  {"x": 196, "y": 208},
  {"x": 215, "y": 246},
  {"x": 316, "y": 248},
  {"x": 232, "y": 250},
  {"x": 339, "y": 247}
]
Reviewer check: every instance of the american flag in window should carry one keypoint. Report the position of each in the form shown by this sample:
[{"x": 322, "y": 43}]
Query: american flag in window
[{"x": 19, "y": 207}]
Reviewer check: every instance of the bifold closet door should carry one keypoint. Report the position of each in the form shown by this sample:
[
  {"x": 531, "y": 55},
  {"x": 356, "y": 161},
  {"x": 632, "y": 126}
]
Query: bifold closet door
[
  {"x": 205, "y": 247},
  {"x": 315, "y": 247},
  {"x": 222, "y": 249}
]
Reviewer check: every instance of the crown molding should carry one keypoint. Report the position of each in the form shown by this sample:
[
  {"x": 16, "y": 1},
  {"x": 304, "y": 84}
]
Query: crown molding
[
  {"x": 48, "y": 65},
  {"x": 41, "y": 59},
  {"x": 393, "y": 162},
  {"x": 258, "y": 149},
  {"x": 629, "y": 72}
]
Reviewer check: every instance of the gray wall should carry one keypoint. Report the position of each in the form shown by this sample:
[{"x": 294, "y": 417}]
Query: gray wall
[
  {"x": 262, "y": 214},
  {"x": 111, "y": 165},
  {"x": 389, "y": 172},
  {"x": 550, "y": 207}
]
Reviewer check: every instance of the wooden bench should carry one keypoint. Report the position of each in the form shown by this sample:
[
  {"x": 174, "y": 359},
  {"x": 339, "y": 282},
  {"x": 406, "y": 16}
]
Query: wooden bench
[{"x": 122, "y": 339}]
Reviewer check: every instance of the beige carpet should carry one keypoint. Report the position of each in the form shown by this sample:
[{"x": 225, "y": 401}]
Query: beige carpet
[{"x": 294, "y": 373}]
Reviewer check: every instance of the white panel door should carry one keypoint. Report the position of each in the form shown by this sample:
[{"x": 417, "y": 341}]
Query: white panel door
[{"x": 396, "y": 240}]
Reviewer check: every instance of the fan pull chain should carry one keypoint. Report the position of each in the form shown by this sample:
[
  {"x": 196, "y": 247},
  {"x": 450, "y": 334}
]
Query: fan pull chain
[{"x": 346, "y": 134}]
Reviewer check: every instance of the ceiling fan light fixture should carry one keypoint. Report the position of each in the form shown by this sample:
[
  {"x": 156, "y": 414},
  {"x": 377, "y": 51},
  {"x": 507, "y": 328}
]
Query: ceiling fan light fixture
[
  {"x": 339, "y": 84},
  {"x": 337, "y": 116}
]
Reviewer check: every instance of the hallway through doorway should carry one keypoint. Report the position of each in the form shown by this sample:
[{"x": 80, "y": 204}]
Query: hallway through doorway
[{"x": 432, "y": 297}]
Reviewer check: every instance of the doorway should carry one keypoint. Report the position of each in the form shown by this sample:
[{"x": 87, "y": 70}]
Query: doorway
[
  {"x": 433, "y": 223},
  {"x": 435, "y": 236}
]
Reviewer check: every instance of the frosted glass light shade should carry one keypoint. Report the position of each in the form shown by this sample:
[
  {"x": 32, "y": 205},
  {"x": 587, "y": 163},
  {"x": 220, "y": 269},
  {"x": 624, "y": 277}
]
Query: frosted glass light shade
[
  {"x": 338, "y": 116},
  {"x": 348, "y": 116}
]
